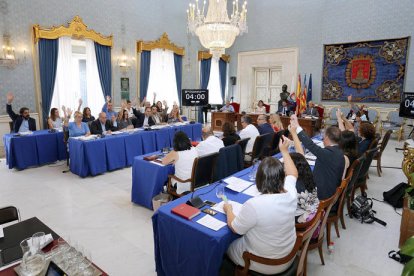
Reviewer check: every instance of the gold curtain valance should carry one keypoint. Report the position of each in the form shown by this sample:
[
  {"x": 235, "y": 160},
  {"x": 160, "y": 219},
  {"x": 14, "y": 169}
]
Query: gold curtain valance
[
  {"x": 76, "y": 29},
  {"x": 206, "y": 55},
  {"x": 162, "y": 43}
]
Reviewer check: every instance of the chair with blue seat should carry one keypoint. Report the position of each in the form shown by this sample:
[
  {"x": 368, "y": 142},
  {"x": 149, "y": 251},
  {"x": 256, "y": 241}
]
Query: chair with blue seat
[
  {"x": 373, "y": 115},
  {"x": 395, "y": 123},
  {"x": 229, "y": 161},
  {"x": 331, "y": 119}
]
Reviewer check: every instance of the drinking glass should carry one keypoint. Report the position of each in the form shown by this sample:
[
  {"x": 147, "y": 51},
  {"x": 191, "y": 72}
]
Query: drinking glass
[
  {"x": 253, "y": 171},
  {"x": 38, "y": 240},
  {"x": 220, "y": 191},
  {"x": 25, "y": 245}
]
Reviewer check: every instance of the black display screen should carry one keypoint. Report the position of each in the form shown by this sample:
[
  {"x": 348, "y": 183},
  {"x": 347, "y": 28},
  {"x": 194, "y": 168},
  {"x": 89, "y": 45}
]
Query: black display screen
[
  {"x": 194, "y": 97},
  {"x": 407, "y": 105}
]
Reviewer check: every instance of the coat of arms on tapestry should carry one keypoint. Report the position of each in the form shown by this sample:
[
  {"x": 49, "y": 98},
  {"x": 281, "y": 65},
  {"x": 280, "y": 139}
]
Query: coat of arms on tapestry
[{"x": 371, "y": 71}]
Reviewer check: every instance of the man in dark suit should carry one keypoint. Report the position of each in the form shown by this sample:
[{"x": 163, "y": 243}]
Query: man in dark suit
[
  {"x": 22, "y": 122},
  {"x": 330, "y": 162},
  {"x": 144, "y": 119},
  {"x": 263, "y": 126},
  {"x": 102, "y": 125},
  {"x": 284, "y": 109},
  {"x": 311, "y": 110}
]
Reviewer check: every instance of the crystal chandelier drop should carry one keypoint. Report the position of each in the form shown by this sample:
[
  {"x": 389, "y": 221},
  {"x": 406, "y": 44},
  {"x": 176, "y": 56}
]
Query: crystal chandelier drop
[{"x": 216, "y": 30}]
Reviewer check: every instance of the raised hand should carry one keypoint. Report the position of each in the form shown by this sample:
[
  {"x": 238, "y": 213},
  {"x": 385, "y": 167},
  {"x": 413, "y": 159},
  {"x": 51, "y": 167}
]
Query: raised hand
[
  {"x": 294, "y": 121},
  {"x": 10, "y": 97},
  {"x": 80, "y": 102},
  {"x": 69, "y": 112},
  {"x": 338, "y": 114},
  {"x": 63, "y": 108},
  {"x": 164, "y": 102},
  {"x": 134, "y": 101},
  {"x": 284, "y": 143},
  {"x": 108, "y": 98}
]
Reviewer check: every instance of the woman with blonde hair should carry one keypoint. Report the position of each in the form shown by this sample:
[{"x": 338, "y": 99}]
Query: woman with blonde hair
[
  {"x": 76, "y": 128},
  {"x": 276, "y": 123},
  {"x": 174, "y": 115}
]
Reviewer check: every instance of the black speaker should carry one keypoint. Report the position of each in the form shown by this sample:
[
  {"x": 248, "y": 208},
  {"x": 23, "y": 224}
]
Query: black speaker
[{"x": 233, "y": 80}]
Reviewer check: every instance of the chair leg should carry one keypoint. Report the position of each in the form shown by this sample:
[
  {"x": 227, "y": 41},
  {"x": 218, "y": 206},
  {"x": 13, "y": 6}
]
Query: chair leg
[
  {"x": 328, "y": 233},
  {"x": 341, "y": 217},
  {"x": 379, "y": 166},
  {"x": 337, "y": 228},
  {"x": 321, "y": 253}
]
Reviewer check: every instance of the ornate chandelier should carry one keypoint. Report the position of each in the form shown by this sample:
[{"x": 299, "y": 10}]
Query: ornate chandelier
[{"x": 216, "y": 30}]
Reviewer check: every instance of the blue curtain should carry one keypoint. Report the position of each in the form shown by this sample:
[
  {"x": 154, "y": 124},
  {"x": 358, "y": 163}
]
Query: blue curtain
[
  {"x": 103, "y": 58},
  {"x": 204, "y": 78},
  {"x": 48, "y": 56},
  {"x": 223, "y": 77},
  {"x": 178, "y": 64},
  {"x": 145, "y": 73}
]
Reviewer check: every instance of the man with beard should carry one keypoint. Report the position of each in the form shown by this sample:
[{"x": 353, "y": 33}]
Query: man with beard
[{"x": 22, "y": 122}]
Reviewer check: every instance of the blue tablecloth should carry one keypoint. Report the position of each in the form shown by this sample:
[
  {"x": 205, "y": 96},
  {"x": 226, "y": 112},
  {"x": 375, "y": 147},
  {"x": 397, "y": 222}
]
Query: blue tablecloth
[
  {"x": 36, "y": 149},
  {"x": 118, "y": 151}
]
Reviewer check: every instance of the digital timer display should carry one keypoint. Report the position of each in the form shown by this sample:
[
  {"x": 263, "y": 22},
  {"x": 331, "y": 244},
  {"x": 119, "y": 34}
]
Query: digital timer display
[
  {"x": 194, "y": 97},
  {"x": 407, "y": 105}
]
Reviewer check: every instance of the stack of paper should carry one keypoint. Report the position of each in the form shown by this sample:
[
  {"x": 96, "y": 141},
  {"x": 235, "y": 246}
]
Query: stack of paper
[
  {"x": 252, "y": 191},
  {"x": 237, "y": 184},
  {"x": 116, "y": 132},
  {"x": 88, "y": 138},
  {"x": 25, "y": 133},
  {"x": 212, "y": 223},
  {"x": 236, "y": 207}
]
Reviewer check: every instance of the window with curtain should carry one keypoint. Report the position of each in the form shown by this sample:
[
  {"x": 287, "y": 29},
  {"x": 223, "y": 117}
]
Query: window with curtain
[
  {"x": 162, "y": 79},
  {"x": 77, "y": 76},
  {"x": 214, "y": 86}
]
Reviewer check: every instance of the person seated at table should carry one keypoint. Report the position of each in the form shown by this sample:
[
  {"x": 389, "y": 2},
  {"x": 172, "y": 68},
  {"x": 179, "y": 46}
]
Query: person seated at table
[
  {"x": 108, "y": 109},
  {"x": 76, "y": 128},
  {"x": 267, "y": 221},
  {"x": 156, "y": 115},
  {"x": 182, "y": 156},
  {"x": 263, "y": 126},
  {"x": 284, "y": 110},
  {"x": 311, "y": 110},
  {"x": 54, "y": 120},
  {"x": 87, "y": 115},
  {"x": 127, "y": 105},
  {"x": 330, "y": 162},
  {"x": 248, "y": 131},
  {"x": 144, "y": 119},
  {"x": 210, "y": 143},
  {"x": 21, "y": 122},
  {"x": 123, "y": 120},
  {"x": 174, "y": 116},
  {"x": 229, "y": 134},
  {"x": 260, "y": 107},
  {"x": 227, "y": 107},
  {"x": 102, "y": 125},
  {"x": 275, "y": 122}
]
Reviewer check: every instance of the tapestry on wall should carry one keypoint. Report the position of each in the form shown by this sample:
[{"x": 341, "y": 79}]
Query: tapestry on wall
[{"x": 372, "y": 71}]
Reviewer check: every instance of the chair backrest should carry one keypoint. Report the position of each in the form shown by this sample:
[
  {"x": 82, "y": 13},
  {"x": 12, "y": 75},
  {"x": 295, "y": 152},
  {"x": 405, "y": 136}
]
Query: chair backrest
[
  {"x": 202, "y": 172},
  {"x": 11, "y": 126},
  {"x": 267, "y": 107},
  {"x": 369, "y": 154},
  {"x": 356, "y": 166},
  {"x": 229, "y": 161},
  {"x": 373, "y": 144},
  {"x": 261, "y": 142},
  {"x": 65, "y": 135},
  {"x": 394, "y": 117},
  {"x": 385, "y": 140},
  {"x": 243, "y": 144},
  {"x": 345, "y": 109},
  {"x": 373, "y": 115},
  {"x": 321, "y": 111},
  {"x": 274, "y": 145},
  {"x": 344, "y": 186},
  {"x": 326, "y": 206},
  {"x": 236, "y": 107},
  {"x": 9, "y": 214}
]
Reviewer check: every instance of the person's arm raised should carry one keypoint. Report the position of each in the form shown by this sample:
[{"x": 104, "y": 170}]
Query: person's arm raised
[
  {"x": 296, "y": 141},
  {"x": 290, "y": 168},
  {"x": 340, "y": 121}
]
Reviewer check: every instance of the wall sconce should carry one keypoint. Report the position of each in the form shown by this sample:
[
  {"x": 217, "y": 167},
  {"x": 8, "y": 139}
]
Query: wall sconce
[
  {"x": 124, "y": 62},
  {"x": 8, "y": 57}
]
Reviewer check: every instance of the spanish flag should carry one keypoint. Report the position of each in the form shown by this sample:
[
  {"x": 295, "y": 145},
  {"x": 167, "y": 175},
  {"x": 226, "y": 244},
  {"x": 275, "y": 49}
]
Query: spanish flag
[
  {"x": 303, "y": 97},
  {"x": 298, "y": 96}
]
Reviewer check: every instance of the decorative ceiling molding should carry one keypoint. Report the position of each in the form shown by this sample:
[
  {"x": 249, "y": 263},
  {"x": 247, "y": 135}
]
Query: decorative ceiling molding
[
  {"x": 162, "y": 43},
  {"x": 76, "y": 29}
]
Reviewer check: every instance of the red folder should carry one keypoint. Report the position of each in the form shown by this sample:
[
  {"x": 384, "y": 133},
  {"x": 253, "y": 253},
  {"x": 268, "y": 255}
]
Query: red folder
[{"x": 185, "y": 211}]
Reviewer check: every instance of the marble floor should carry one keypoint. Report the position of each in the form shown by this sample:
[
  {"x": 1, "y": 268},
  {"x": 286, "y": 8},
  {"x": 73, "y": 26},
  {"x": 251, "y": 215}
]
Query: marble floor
[{"x": 97, "y": 213}]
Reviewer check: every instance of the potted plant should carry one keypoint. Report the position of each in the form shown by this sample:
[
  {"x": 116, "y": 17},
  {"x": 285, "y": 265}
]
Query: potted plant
[{"x": 408, "y": 251}]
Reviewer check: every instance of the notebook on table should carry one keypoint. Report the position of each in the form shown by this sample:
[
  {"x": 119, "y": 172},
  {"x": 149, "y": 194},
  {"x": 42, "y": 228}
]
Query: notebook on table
[{"x": 186, "y": 211}]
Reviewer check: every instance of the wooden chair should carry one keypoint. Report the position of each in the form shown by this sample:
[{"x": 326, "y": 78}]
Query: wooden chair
[
  {"x": 357, "y": 170},
  {"x": 273, "y": 147},
  {"x": 361, "y": 182},
  {"x": 9, "y": 214},
  {"x": 65, "y": 141},
  {"x": 378, "y": 154},
  {"x": 395, "y": 123},
  {"x": 373, "y": 115},
  {"x": 267, "y": 107},
  {"x": 261, "y": 142},
  {"x": 229, "y": 161},
  {"x": 243, "y": 144},
  {"x": 298, "y": 267},
  {"x": 325, "y": 206},
  {"x": 202, "y": 174},
  {"x": 336, "y": 215}
]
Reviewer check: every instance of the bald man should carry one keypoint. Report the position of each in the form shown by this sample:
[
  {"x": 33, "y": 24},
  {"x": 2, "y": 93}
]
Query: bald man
[
  {"x": 311, "y": 110},
  {"x": 210, "y": 143},
  {"x": 102, "y": 125},
  {"x": 263, "y": 126}
]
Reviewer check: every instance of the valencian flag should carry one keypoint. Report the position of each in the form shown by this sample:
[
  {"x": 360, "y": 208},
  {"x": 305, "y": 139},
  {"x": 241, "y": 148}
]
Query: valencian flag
[
  {"x": 309, "y": 96},
  {"x": 303, "y": 97},
  {"x": 298, "y": 96}
]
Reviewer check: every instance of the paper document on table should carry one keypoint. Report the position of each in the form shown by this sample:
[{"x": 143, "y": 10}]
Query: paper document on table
[
  {"x": 236, "y": 207},
  {"x": 237, "y": 184},
  {"x": 1, "y": 232},
  {"x": 116, "y": 132},
  {"x": 212, "y": 223},
  {"x": 310, "y": 156},
  {"x": 319, "y": 143},
  {"x": 157, "y": 163},
  {"x": 311, "y": 162},
  {"x": 252, "y": 191}
]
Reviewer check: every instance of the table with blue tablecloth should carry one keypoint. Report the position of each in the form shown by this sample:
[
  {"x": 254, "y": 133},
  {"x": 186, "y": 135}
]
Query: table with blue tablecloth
[
  {"x": 41, "y": 147},
  {"x": 118, "y": 151}
]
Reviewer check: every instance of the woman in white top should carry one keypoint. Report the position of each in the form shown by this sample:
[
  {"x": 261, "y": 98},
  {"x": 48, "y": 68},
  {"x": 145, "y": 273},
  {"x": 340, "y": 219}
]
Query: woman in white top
[
  {"x": 260, "y": 107},
  {"x": 182, "y": 157},
  {"x": 54, "y": 121},
  {"x": 267, "y": 221}
]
